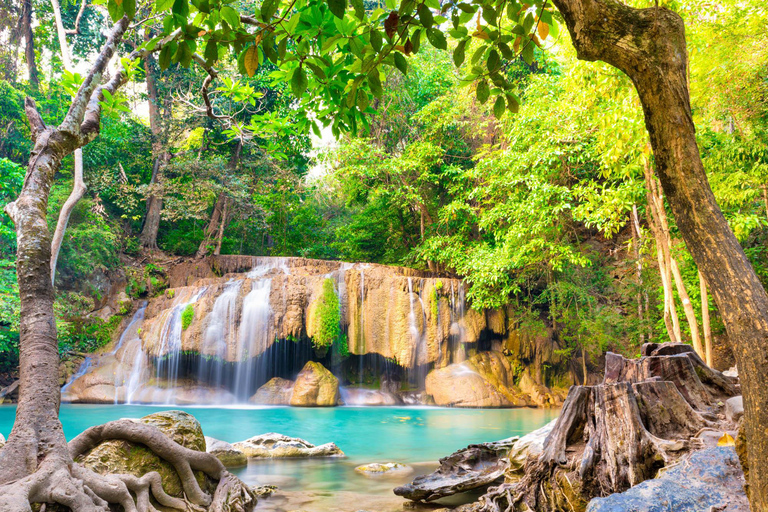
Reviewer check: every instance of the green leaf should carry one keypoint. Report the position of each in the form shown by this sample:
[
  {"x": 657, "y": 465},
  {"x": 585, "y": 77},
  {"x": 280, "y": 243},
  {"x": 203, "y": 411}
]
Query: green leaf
[
  {"x": 163, "y": 5},
  {"x": 506, "y": 51},
  {"x": 499, "y": 106},
  {"x": 483, "y": 91},
  {"x": 129, "y": 7},
  {"x": 268, "y": 9},
  {"x": 401, "y": 63},
  {"x": 181, "y": 8},
  {"x": 528, "y": 22},
  {"x": 362, "y": 100},
  {"x": 115, "y": 10},
  {"x": 467, "y": 8},
  {"x": 374, "y": 82},
  {"x": 299, "y": 82},
  {"x": 164, "y": 59},
  {"x": 376, "y": 40},
  {"x": 337, "y": 7},
  {"x": 458, "y": 53},
  {"x": 425, "y": 16},
  {"x": 437, "y": 38},
  {"x": 528, "y": 52},
  {"x": 211, "y": 52},
  {"x": 317, "y": 70},
  {"x": 489, "y": 15},
  {"x": 493, "y": 62},
  {"x": 231, "y": 16},
  {"x": 359, "y": 9},
  {"x": 513, "y": 103}
]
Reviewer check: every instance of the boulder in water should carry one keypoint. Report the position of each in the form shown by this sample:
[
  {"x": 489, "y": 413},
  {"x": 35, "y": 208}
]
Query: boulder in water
[
  {"x": 315, "y": 387},
  {"x": 383, "y": 468},
  {"x": 225, "y": 452},
  {"x": 484, "y": 380},
  {"x": 708, "y": 480},
  {"x": 474, "y": 467},
  {"x": 276, "y": 391},
  {"x": 136, "y": 459},
  {"x": 278, "y": 446}
]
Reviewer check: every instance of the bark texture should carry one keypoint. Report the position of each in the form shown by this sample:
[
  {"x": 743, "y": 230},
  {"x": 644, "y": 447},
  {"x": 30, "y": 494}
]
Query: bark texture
[
  {"x": 649, "y": 46},
  {"x": 610, "y": 437}
]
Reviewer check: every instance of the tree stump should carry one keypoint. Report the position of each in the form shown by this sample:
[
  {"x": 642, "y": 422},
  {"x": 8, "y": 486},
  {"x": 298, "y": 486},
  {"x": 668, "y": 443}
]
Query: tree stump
[{"x": 609, "y": 437}]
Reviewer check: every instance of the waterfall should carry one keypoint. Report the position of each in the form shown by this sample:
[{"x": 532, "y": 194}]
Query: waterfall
[
  {"x": 418, "y": 337},
  {"x": 220, "y": 334},
  {"x": 82, "y": 370},
  {"x": 254, "y": 336},
  {"x": 130, "y": 334},
  {"x": 170, "y": 351},
  {"x": 456, "y": 335}
]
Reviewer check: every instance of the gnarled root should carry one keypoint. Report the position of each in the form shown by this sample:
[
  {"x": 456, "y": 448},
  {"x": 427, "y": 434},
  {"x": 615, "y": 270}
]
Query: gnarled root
[{"x": 60, "y": 480}]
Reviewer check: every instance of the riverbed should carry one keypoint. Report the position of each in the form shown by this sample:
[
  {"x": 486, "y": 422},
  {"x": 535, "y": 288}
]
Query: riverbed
[{"x": 417, "y": 436}]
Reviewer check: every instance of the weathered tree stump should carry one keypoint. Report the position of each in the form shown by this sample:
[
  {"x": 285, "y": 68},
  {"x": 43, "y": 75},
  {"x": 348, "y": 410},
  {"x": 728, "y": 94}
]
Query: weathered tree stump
[{"x": 644, "y": 416}]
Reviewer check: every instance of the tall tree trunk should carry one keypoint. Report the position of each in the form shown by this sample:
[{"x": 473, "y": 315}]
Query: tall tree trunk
[
  {"x": 690, "y": 314},
  {"x": 29, "y": 44},
  {"x": 637, "y": 242},
  {"x": 649, "y": 46},
  {"x": 161, "y": 157},
  {"x": 706, "y": 326},
  {"x": 222, "y": 225}
]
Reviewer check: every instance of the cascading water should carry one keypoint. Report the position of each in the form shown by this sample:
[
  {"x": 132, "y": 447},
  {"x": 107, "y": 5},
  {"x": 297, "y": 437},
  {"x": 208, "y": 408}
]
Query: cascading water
[
  {"x": 167, "y": 366},
  {"x": 254, "y": 336},
  {"x": 456, "y": 338},
  {"x": 220, "y": 335},
  {"x": 417, "y": 333}
]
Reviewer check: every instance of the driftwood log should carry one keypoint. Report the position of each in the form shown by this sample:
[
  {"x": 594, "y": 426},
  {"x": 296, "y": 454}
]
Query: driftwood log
[{"x": 644, "y": 416}]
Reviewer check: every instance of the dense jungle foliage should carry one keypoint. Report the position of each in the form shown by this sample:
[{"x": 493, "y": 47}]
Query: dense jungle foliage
[{"x": 546, "y": 209}]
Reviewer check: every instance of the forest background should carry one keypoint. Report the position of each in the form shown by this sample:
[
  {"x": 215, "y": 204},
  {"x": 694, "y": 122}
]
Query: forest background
[{"x": 552, "y": 210}]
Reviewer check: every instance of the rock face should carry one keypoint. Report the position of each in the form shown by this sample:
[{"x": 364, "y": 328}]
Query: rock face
[
  {"x": 476, "y": 466},
  {"x": 274, "y": 446},
  {"x": 315, "y": 387},
  {"x": 276, "y": 391},
  {"x": 485, "y": 380},
  {"x": 368, "y": 397},
  {"x": 225, "y": 452},
  {"x": 136, "y": 459},
  {"x": 709, "y": 479},
  {"x": 616, "y": 435},
  {"x": 734, "y": 408}
]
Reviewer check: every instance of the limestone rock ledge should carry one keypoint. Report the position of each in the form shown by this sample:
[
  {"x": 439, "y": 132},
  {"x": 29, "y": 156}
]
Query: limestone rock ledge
[{"x": 273, "y": 446}]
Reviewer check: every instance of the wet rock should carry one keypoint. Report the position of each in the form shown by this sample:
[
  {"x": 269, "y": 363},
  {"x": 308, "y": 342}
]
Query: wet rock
[
  {"x": 530, "y": 445},
  {"x": 276, "y": 391},
  {"x": 362, "y": 396},
  {"x": 734, "y": 408},
  {"x": 264, "y": 491},
  {"x": 385, "y": 468},
  {"x": 136, "y": 459},
  {"x": 732, "y": 372},
  {"x": 484, "y": 380},
  {"x": 474, "y": 467},
  {"x": 276, "y": 446},
  {"x": 708, "y": 480},
  {"x": 2, "y": 441},
  {"x": 315, "y": 387},
  {"x": 416, "y": 398},
  {"x": 225, "y": 452}
]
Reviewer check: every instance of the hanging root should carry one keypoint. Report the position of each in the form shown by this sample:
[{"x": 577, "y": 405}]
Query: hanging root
[{"x": 59, "y": 480}]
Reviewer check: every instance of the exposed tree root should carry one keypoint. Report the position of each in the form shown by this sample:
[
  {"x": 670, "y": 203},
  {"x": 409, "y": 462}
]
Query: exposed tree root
[{"x": 62, "y": 481}]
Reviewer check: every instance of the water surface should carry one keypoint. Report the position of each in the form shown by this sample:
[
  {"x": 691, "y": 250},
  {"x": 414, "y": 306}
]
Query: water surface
[{"x": 418, "y": 436}]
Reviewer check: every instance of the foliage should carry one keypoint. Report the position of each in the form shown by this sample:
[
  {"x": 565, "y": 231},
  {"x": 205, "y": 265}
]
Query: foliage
[
  {"x": 328, "y": 330},
  {"x": 186, "y": 316}
]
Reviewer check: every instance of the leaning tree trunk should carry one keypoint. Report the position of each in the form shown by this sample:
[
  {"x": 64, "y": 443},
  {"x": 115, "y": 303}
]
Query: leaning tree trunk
[
  {"x": 649, "y": 46},
  {"x": 36, "y": 464},
  {"x": 29, "y": 44}
]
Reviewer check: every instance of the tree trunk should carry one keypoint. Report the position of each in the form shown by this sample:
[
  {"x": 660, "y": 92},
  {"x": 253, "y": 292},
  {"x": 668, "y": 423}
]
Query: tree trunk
[
  {"x": 29, "y": 44},
  {"x": 706, "y": 326},
  {"x": 148, "y": 237},
  {"x": 210, "y": 229},
  {"x": 636, "y": 244},
  {"x": 649, "y": 46},
  {"x": 222, "y": 225},
  {"x": 690, "y": 314}
]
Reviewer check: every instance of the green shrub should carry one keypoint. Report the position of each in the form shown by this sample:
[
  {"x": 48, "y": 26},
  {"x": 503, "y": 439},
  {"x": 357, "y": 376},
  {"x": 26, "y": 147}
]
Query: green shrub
[
  {"x": 186, "y": 316},
  {"x": 329, "y": 317}
]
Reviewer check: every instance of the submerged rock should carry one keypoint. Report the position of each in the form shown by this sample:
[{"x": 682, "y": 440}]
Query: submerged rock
[
  {"x": 225, "y": 452},
  {"x": 474, "y": 467},
  {"x": 708, "y": 480},
  {"x": 383, "y": 468},
  {"x": 136, "y": 459},
  {"x": 484, "y": 380},
  {"x": 362, "y": 396},
  {"x": 277, "y": 446},
  {"x": 276, "y": 391},
  {"x": 315, "y": 387}
]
